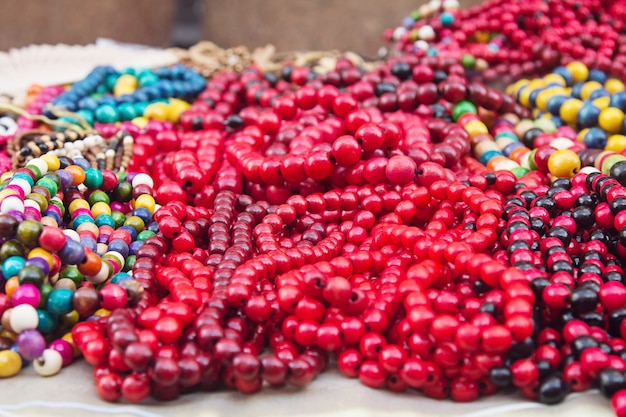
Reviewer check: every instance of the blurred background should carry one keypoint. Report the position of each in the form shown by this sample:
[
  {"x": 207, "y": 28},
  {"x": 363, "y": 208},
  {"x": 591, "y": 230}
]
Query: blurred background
[{"x": 355, "y": 25}]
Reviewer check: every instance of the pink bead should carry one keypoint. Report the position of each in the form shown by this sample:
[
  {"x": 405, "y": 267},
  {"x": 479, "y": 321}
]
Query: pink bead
[
  {"x": 65, "y": 349},
  {"x": 82, "y": 211},
  {"x": 26, "y": 294},
  {"x": 31, "y": 213}
]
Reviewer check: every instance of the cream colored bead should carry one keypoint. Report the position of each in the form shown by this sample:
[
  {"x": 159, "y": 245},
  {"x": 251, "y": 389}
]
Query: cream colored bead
[
  {"x": 48, "y": 364},
  {"x": 505, "y": 165},
  {"x": 101, "y": 276},
  {"x": 561, "y": 143},
  {"x": 143, "y": 179},
  {"x": 39, "y": 163},
  {"x": 24, "y": 317},
  {"x": 588, "y": 170}
]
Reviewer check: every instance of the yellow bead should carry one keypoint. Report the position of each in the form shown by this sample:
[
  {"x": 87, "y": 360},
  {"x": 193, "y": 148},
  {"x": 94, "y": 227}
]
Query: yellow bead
[
  {"x": 6, "y": 176},
  {"x": 140, "y": 122},
  {"x": 581, "y": 135},
  {"x": 476, "y": 127},
  {"x": 569, "y": 110},
  {"x": 78, "y": 204},
  {"x": 611, "y": 119},
  {"x": 7, "y": 192},
  {"x": 69, "y": 339},
  {"x": 176, "y": 108},
  {"x": 555, "y": 78},
  {"x": 564, "y": 163},
  {"x": 602, "y": 102},
  {"x": 542, "y": 98},
  {"x": 482, "y": 36},
  {"x": 588, "y": 88},
  {"x": 125, "y": 84},
  {"x": 68, "y": 320},
  {"x": 102, "y": 313},
  {"x": 100, "y": 208},
  {"x": 614, "y": 85},
  {"x": 146, "y": 201},
  {"x": 52, "y": 161},
  {"x": 8, "y": 334},
  {"x": 579, "y": 71},
  {"x": 158, "y": 111},
  {"x": 616, "y": 143},
  {"x": 10, "y": 363},
  {"x": 43, "y": 254}
]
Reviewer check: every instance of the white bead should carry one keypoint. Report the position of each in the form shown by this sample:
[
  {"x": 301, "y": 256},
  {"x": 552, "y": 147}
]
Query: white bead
[
  {"x": 101, "y": 276},
  {"x": 426, "y": 33},
  {"x": 68, "y": 146},
  {"x": 525, "y": 160},
  {"x": 22, "y": 183},
  {"x": 72, "y": 234},
  {"x": 49, "y": 363},
  {"x": 398, "y": 33},
  {"x": 435, "y": 4},
  {"x": 423, "y": 45},
  {"x": 90, "y": 141},
  {"x": 99, "y": 139},
  {"x": 588, "y": 170},
  {"x": 9, "y": 126},
  {"x": 10, "y": 203},
  {"x": 143, "y": 179},
  {"x": 75, "y": 153},
  {"x": 128, "y": 140},
  {"x": 561, "y": 143},
  {"x": 109, "y": 153},
  {"x": 451, "y": 5},
  {"x": 33, "y": 204},
  {"x": 117, "y": 256},
  {"x": 156, "y": 207},
  {"x": 80, "y": 145},
  {"x": 39, "y": 163},
  {"x": 23, "y": 317},
  {"x": 425, "y": 10},
  {"x": 505, "y": 165}
]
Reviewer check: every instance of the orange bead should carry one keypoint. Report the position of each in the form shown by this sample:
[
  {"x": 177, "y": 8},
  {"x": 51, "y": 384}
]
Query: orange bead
[
  {"x": 77, "y": 173},
  {"x": 517, "y": 153},
  {"x": 91, "y": 265},
  {"x": 10, "y": 286},
  {"x": 494, "y": 161}
]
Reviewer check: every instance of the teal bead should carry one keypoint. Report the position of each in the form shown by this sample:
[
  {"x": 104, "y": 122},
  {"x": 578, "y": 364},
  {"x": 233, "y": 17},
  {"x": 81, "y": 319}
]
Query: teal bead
[
  {"x": 126, "y": 112},
  {"x": 105, "y": 220},
  {"x": 83, "y": 218},
  {"x": 110, "y": 82},
  {"x": 128, "y": 70},
  {"x": 145, "y": 235},
  {"x": 12, "y": 265},
  {"x": 93, "y": 178},
  {"x": 120, "y": 277},
  {"x": 107, "y": 114},
  {"x": 60, "y": 301},
  {"x": 140, "y": 108},
  {"x": 147, "y": 79},
  {"x": 47, "y": 322},
  {"x": 432, "y": 52},
  {"x": 25, "y": 177},
  {"x": 446, "y": 19},
  {"x": 86, "y": 115}
]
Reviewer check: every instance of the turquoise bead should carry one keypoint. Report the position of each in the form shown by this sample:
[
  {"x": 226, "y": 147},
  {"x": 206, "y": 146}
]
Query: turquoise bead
[
  {"x": 25, "y": 177},
  {"x": 128, "y": 70},
  {"x": 93, "y": 178},
  {"x": 105, "y": 220},
  {"x": 110, "y": 82},
  {"x": 446, "y": 18},
  {"x": 60, "y": 301},
  {"x": 47, "y": 322},
  {"x": 126, "y": 112},
  {"x": 83, "y": 218},
  {"x": 147, "y": 79},
  {"x": 120, "y": 277},
  {"x": 487, "y": 156},
  {"x": 86, "y": 115},
  {"x": 12, "y": 265},
  {"x": 107, "y": 114}
]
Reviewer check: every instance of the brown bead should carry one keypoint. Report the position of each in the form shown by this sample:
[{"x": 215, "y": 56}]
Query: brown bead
[
  {"x": 8, "y": 226},
  {"x": 86, "y": 301},
  {"x": 65, "y": 283},
  {"x": 5, "y": 343},
  {"x": 134, "y": 290},
  {"x": 6, "y": 319}
]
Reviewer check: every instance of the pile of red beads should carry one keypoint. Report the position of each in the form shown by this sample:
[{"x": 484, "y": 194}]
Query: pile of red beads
[
  {"x": 288, "y": 219},
  {"x": 505, "y": 40}
]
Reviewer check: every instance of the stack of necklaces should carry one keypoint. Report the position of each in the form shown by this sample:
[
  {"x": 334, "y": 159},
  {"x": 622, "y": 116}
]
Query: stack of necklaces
[{"x": 417, "y": 229}]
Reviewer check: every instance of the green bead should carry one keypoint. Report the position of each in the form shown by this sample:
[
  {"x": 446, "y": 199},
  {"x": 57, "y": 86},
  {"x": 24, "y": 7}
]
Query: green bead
[
  {"x": 72, "y": 273},
  {"x": 546, "y": 125},
  {"x": 519, "y": 172},
  {"x": 121, "y": 176},
  {"x": 461, "y": 108},
  {"x": 144, "y": 235},
  {"x": 86, "y": 115},
  {"x": 98, "y": 197},
  {"x": 93, "y": 178},
  {"x": 49, "y": 184},
  {"x": 58, "y": 204},
  {"x": 39, "y": 199},
  {"x": 47, "y": 322},
  {"x": 119, "y": 218},
  {"x": 34, "y": 170},
  {"x": 468, "y": 61},
  {"x": 60, "y": 301},
  {"x": 31, "y": 274},
  {"x": 11, "y": 248},
  {"x": 44, "y": 292},
  {"x": 609, "y": 161},
  {"x": 136, "y": 223},
  {"x": 126, "y": 112},
  {"x": 416, "y": 15},
  {"x": 123, "y": 192},
  {"x": 54, "y": 177},
  {"x": 531, "y": 160},
  {"x": 28, "y": 232},
  {"x": 107, "y": 114},
  {"x": 129, "y": 262},
  {"x": 110, "y": 82}
]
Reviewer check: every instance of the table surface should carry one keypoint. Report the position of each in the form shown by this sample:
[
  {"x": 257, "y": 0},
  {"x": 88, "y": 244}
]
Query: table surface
[{"x": 72, "y": 393}]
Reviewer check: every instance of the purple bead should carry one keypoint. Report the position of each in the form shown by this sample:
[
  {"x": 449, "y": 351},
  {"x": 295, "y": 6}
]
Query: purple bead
[
  {"x": 40, "y": 263},
  {"x": 67, "y": 179},
  {"x": 31, "y": 344},
  {"x": 17, "y": 215},
  {"x": 103, "y": 238},
  {"x": 72, "y": 253},
  {"x": 131, "y": 176},
  {"x": 117, "y": 206},
  {"x": 65, "y": 349},
  {"x": 26, "y": 294}
]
